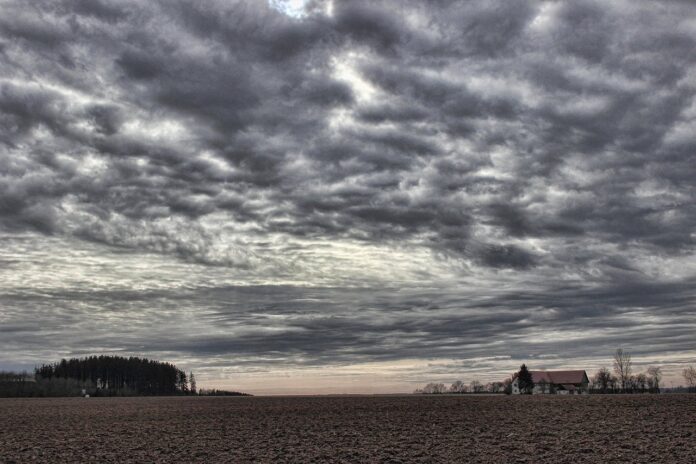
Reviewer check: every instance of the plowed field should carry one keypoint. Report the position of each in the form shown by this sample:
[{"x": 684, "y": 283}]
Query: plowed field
[{"x": 621, "y": 428}]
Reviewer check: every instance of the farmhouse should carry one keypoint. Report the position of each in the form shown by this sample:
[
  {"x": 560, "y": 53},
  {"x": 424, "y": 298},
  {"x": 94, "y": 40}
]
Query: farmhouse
[{"x": 558, "y": 382}]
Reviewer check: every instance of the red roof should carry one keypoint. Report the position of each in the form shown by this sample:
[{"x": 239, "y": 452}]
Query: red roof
[{"x": 557, "y": 377}]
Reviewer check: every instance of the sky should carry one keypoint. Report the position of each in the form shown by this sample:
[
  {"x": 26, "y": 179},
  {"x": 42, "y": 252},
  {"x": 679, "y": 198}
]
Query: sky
[{"x": 348, "y": 196}]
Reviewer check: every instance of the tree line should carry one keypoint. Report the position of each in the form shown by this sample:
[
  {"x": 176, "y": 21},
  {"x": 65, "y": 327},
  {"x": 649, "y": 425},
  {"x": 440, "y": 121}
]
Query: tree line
[
  {"x": 100, "y": 376},
  {"x": 216, "y": 392},
  {"x": 114, "y": 373},
  {"x": 622, "y": 379},
  {"x": 459, "y": 387}
]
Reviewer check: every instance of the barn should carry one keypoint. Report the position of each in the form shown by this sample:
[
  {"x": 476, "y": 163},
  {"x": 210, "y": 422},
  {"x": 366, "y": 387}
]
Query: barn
[{"x": 558, "y": 382}]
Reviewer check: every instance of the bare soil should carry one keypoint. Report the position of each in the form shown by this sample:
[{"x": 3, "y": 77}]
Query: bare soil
[{"x": 607, "y": 429}]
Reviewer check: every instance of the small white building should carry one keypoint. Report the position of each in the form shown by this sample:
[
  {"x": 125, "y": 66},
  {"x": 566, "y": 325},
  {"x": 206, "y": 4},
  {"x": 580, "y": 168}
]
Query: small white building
[{"x": 556, "y": 382}]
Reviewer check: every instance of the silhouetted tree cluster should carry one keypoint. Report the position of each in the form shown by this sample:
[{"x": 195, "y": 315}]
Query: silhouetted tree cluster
[
  {"x": 119, "y": 375},
  {"x": 459, "y": 387},
  {"x": 604, "y": 381},
  {"x": 15, "y": 383},
  {"x": 22, "y": 384},
  {"x": 14, "y": 377},
  {"x": 432, "y": 389},
  {"x": 214, "y": 392},
  {"x": 624, "y": 380}
]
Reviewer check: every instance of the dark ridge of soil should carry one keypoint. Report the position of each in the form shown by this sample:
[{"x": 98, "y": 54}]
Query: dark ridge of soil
[{"x": 385, "y": 429}]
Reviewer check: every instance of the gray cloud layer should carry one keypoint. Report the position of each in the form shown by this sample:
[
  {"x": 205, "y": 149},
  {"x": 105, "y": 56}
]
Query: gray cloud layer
[{"x": 536, "y": 159}]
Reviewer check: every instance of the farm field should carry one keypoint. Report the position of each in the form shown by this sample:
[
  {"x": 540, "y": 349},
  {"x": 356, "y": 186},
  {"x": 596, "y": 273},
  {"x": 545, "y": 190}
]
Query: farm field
[{"x": 621, "y": 428}]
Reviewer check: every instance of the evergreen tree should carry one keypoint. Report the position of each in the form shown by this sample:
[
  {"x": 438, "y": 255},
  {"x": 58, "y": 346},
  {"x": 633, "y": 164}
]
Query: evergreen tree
[
  {"x": 524, "y": 380},
  {"x": 183, "y": 382},
  {"x": 192, "y": 383}
]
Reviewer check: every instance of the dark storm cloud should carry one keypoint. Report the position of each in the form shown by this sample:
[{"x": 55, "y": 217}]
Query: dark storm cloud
[
  {"x": 367, "y": 23},
  {"x": 254, "y": 87},
  {"x": 537, "y": 141}
]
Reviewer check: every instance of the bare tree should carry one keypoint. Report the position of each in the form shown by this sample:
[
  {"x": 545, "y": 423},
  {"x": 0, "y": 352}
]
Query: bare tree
[
  {"x": 622, "y": 367},
  {"x": 434, "y": 388},
  {"x": 601, "y": 380},
  {"x": 428, "y": 389},
  {"x": 655, "y": 373},
  {"x": 495, "y": 387},
  {"x": 689, "y": 374},
  {"x": 507, "y": 386},
  {"x": 641, "y": 382},
  {"x": 632, "y": 384},
  {"x": 457, "y": 387},
  {"x": 476, "y": 386},
  {"x": 613, "y": 383}
]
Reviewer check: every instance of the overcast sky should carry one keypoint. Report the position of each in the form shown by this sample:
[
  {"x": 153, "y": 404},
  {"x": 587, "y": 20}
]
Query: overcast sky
[{"x": 348, "y": 196}]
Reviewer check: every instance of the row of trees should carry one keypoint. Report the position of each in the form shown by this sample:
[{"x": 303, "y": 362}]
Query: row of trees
[
  {"x": 100, "y": 376},
  {"x": 625, "y": 381},
  {"x": 460, "y": 387},
  {"x": 23, "y": 384},
  {"x": 648, "y": 382},
  {"x": 622, "y": 380},
  {"x": 115, "y": 374},
  {"x": 216, "y": 392}
]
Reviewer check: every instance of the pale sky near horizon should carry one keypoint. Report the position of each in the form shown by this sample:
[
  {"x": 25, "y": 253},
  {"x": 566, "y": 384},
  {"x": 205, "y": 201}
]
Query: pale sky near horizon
[{"x": 322, "y": 196}]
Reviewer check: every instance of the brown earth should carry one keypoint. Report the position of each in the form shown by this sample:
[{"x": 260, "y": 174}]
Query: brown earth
[{"x": 621, "y": 428}]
